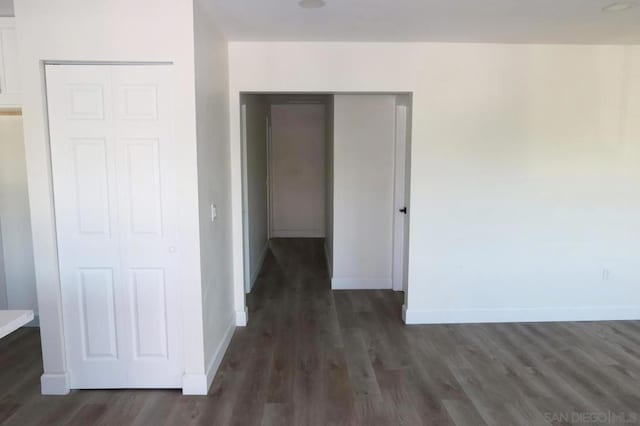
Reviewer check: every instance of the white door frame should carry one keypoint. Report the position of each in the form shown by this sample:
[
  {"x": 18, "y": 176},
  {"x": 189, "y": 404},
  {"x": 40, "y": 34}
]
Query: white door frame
[
  {"x": 55, "y": 377},
  {"x": 399, "y": 201},
  {"x": 60, "y": 383},
  {"x": 237, "y": 190},
  {"x": 268, "y": 181},
  {"x": 245, "y": 201},
  {"x": 246, "y": 257}
]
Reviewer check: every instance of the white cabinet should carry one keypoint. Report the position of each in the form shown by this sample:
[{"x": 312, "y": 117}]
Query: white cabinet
[{"x": 9, "y": 79}]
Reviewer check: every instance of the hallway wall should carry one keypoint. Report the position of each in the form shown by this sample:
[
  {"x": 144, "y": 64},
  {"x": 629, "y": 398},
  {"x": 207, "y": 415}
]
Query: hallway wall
[
  {"x": 212, "y": 133},
  {"x": 15, "y": 218},
  {"x": 257, "y": 108}
]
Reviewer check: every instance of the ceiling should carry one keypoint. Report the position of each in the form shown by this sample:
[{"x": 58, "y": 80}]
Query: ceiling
[{"x": 504, "y": 21}]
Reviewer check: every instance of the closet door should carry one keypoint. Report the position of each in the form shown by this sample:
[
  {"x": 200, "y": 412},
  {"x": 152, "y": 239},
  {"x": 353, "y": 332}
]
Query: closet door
[{"x": 112, "y": 152}]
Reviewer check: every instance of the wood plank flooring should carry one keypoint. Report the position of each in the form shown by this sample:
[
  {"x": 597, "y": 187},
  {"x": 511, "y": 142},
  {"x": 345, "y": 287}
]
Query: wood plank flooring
[{"x": 310, "y": 356}]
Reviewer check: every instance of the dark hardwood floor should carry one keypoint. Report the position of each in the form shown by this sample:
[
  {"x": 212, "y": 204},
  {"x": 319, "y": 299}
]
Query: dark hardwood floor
[{"x": 310, "y": 356}]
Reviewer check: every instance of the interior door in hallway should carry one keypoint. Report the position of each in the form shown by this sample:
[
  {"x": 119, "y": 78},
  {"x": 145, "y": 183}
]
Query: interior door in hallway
[
  {"x": 114, "y": 176},
  {"x": 297, "y": 171},
  {"x": 363, "y": 185}
]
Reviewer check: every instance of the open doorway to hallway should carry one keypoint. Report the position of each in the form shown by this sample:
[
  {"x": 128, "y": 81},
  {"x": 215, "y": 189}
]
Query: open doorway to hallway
[
  {"x": 332, "y": 167},
  {"x": 285, "y": 176}
]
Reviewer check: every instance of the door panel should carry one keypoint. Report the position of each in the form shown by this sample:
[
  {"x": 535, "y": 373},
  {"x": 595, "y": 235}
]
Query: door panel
[
  {"x": 98, "y": 313},
  {"x": 84, "y": 183},
  {"x": 150, "y": 316},
  {"x": 144, "y": 186},
  {"x": 92, "y": 186},
  {"x": 113, "y": 152},
  {"x": 147, "y": 198}
]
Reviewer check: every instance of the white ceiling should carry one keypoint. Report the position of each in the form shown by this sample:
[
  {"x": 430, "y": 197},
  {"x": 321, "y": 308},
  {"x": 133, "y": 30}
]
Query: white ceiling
[{"x": 507, "y": 21}]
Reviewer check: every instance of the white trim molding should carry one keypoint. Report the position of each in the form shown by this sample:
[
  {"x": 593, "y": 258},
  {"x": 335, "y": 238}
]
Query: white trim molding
[
  {"x": 464, "y": 316},
  {"x": 194, "y": 384},
  {"x": 242, "y": 317},
  {"x": 218, "y": 355},
  {"x": 199, "y": 384},
  {"x": 297, "y": 233},
  {"x": 55, "y": 384},
  {"x": 361, "y": 283}
]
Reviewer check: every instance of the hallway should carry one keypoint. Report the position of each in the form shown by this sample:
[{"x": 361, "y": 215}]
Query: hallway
[
  {"x": 310, "y": 356},
  {"x": 309, "y": 353}
]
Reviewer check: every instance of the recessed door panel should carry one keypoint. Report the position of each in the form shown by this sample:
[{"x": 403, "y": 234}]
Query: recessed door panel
[
  {"x": 97, "y": 305},
  {"x": 143, "y": 172},
  {"x": 91, "y": 183},
  {"x": 140, "y": 102},
  {"x": 86, "y": 101},
  {"x": 149, "y": 304}
]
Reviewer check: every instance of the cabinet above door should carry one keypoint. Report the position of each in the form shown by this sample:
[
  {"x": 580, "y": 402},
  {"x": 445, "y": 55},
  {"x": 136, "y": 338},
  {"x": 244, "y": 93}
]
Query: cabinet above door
[{"x": 9, "y": 75}]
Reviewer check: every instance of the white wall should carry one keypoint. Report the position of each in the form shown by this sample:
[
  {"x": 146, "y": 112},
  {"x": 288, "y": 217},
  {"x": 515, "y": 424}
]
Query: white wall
[
  {"x": 532, "y": 188},
  {"x": 257, "y": 107},
  {"x": 525, "y": 170},
  {"x": 297, "y": 170},
  {"x": 15, "y": 223},
  {"x": 363, "y": 179},
  {"x": 118, "y": 30},
  {"x": 212, "y": 129}
]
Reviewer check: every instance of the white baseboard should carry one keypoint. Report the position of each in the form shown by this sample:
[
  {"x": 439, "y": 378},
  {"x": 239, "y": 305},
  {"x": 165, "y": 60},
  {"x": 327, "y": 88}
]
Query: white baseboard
[
  {"x": 54, "y": 384},
  {"x": 297, "y": 233},
  {"x": 194, "y": 384},
  {"x": 242, "y": 317},
  {"x": 258, "y": 268},
  {"x": 218, "y": 355},
  {"x": 464, "y": 316},
  {"x": 360, "y": 284},
  {"x": 199, "y": 384},
  {"x": 328, "y": 258}
]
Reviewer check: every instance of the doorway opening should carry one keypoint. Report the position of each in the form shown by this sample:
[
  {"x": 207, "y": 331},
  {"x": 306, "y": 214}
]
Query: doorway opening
[{"x": 332, "y": 167}]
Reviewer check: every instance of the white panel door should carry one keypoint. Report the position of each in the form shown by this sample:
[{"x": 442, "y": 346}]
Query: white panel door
[{"x": 112, "y": 151}]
